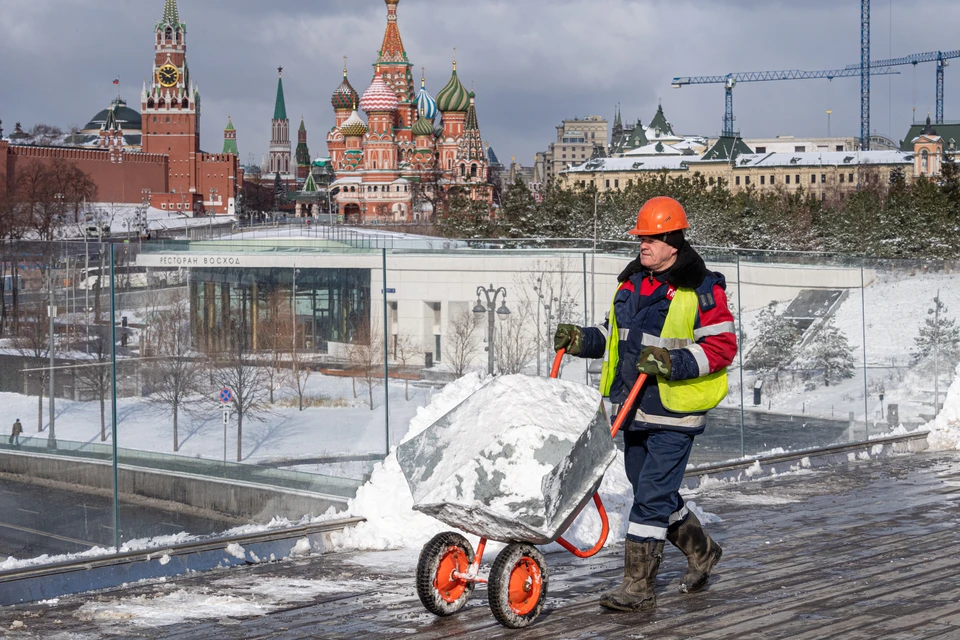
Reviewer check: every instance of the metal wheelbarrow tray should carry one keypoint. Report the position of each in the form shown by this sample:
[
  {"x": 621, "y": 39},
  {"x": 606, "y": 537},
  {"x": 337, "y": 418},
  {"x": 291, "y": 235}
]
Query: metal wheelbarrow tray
[{"x": 517, "y": 460}]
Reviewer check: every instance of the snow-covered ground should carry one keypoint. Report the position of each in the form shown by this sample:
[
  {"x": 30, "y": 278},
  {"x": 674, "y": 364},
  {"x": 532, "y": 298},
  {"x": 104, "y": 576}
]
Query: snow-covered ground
[
  {"x": 334, "y": 424},
  {"x": 895, "y": 306}
]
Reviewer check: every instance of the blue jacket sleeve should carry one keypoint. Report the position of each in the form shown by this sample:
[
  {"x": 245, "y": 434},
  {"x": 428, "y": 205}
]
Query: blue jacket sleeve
[
  {"x": 594, "y": 343},
  {"x": 683, "y": 366}
]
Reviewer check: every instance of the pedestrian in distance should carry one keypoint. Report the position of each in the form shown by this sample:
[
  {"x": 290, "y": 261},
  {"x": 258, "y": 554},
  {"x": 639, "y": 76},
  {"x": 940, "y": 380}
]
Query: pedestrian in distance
[
  {"x": 668, "y": 319},
  {"x": 15, "y": 433}
]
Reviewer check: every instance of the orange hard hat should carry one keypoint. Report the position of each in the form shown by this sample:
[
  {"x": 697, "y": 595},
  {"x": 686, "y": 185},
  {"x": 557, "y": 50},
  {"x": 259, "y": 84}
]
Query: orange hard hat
[{"x": 660, "y": 215}]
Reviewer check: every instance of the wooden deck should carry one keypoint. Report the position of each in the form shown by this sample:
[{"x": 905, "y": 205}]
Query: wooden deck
[{"x": 866, "y": 550}]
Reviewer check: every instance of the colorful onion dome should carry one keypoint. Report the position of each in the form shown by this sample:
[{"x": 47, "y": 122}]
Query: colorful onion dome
[
  {"x": 379, "y": 97},
  {"x": 345, "y": 96},
  {"x": 354, "y": 126},
  {"x": 453, "y": 97},
  {"x": 426, "y": 105},
  {"x": 423, "y": 127}
]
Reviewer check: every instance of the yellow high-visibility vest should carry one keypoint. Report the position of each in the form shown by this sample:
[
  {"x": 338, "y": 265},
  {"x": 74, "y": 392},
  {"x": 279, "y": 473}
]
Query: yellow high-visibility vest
[{"x": 681, "y": 396}]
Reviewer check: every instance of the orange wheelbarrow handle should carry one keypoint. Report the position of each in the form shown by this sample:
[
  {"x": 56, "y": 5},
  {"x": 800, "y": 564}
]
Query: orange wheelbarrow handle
[{"x": 621, "y": 417}]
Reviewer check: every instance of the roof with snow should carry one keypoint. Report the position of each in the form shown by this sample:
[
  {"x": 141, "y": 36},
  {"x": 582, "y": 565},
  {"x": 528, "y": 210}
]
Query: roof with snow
[
  {"x": 821, "y": 159},
  {"x": 645, "y": 163}
]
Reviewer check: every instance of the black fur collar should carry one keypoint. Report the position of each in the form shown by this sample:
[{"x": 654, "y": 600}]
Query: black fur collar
[{"x": 687, "y": 272}]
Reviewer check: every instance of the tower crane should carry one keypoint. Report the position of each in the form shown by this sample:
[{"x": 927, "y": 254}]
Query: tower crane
[
  {"x": 730, "y": 80},
  {"x": 864, "y": 69},
  {"x": 940, "y": 57}
]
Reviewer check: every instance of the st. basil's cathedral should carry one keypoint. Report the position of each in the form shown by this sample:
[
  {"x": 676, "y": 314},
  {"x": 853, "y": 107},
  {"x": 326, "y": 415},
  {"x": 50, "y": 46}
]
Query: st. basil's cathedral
[{"x": 392, "y": 167}]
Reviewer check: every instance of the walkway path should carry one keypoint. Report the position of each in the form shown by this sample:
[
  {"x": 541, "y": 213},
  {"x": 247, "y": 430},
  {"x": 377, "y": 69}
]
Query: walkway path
[{"x": 866, "y": 550}]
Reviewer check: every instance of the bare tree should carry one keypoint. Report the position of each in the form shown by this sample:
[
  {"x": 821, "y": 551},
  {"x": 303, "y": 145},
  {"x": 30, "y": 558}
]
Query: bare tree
[
  {"x": 236, "y": 369},
  {"x": 48, "y": 191},
  {"x": 275, "y": 336},
  {"x": 96, "y": 375},
  {"x": 41, "y": 203},
  {"x": 33, "y": 343},
  {"x": 513, "y": 346},
  {"x": 463, "y": 340},
  {"x": 429, "y": 193},
  {"x": 177, "y": 374},
  {"x": 365, "y": 356},
  {"x": 299, "y": 374},
  {"x": 405, "y": 349},
  {"x": 552, "y": 292}
]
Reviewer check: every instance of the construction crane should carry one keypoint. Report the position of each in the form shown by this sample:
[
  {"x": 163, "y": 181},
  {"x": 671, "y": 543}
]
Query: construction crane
[
  {"x": 730, "y": 80},
  {"x": 940, "y": 57},
  {"x": 864, "y": 69}
]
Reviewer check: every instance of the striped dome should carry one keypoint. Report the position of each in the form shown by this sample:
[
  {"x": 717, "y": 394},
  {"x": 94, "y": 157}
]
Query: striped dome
[
  {"x": 354, "y": 126},
  {"x": 426, "y": 105},
  {"x": 379, "y": 97},
  {"x": 454, "y": 97},
  {"x": 423, "y": 127},
  {"x": 345, "y": 96}
]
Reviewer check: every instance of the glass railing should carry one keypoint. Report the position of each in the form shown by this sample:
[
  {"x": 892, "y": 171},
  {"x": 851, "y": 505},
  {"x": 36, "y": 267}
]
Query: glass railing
[{"x": 290, "y": 364}]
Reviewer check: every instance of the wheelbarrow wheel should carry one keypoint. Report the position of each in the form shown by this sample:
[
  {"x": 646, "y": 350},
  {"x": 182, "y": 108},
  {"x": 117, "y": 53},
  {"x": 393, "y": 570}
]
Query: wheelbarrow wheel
[
  {"x": 439, "y": 590},
  {"x": 517, "y": 587}
]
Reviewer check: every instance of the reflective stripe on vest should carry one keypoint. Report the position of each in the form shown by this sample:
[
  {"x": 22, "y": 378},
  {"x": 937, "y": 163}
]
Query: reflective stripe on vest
[
  {"x": 697, "y": 394},
  {"x": 681, "y": 396},
  {"x": 612, "y": 354}
]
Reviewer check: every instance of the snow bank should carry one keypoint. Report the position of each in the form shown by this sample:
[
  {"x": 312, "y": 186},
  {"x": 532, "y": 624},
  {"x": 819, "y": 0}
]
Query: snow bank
[
  {"x": 385, "y": 500},
  {"x": 945, "y": 428}
]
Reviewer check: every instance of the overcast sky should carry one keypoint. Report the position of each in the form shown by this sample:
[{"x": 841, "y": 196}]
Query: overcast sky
[{"x": 531, "y": 62}]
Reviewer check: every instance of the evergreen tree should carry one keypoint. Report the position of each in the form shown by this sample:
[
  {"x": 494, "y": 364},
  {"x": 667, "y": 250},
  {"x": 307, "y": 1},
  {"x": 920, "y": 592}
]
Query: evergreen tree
[
  {"x": 519, "y": 213},
  {"x": 939, "y": 337},
  {"x": 831, "y": 353},
  {"x": 898, "y": 181},
  {"x": 776, "y": 340},
  {"x": 279, "y": 191},
  {"x": 950, "y": 182},
  {"x": 926, "y": 234},
  {"x": 463, "y": 217}
]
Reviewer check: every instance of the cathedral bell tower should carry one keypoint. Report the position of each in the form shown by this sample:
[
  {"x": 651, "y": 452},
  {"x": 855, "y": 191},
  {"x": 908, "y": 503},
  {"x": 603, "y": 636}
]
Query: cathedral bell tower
[{"x": 170, "y": 105}]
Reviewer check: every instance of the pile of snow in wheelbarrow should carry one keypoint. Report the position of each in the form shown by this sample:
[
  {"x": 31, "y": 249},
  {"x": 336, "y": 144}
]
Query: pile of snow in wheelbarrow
[{"x": 387, "y": 503}]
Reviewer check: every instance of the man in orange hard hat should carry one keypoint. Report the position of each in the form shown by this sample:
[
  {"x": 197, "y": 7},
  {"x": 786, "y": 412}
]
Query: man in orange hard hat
[{"x": 669, "y": 320}]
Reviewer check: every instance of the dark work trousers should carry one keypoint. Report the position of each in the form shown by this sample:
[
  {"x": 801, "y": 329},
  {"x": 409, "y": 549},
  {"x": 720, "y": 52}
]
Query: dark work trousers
[{"x": 655, "y": 462}]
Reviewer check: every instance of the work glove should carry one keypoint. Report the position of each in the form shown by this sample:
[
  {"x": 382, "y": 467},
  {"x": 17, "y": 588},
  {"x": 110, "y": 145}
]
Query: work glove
[
  {"x": 569, "y": 337},
  {"x": 654, "y": 361}
]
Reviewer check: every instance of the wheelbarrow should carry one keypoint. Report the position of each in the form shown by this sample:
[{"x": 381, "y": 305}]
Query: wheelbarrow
[{"x": 440, "y": 469}]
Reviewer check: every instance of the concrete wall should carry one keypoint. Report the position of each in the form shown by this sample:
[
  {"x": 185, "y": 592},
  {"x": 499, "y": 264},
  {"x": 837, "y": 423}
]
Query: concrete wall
[
  {"x": 249, "y": 503},
  {"x": 416, "y": 281}
]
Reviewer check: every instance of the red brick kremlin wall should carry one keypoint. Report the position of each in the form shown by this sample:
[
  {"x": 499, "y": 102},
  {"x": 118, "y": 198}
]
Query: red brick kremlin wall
[{"x": 116, "y": 181}]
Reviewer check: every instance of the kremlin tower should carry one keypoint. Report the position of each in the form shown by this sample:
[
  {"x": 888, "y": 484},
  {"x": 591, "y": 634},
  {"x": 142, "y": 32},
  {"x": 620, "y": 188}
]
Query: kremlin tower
[{"x": 280, "y": 135}]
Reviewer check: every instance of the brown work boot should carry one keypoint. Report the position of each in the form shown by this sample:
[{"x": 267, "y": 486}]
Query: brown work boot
[
  {"x": 702, "y": 552},
  {"x": 640, "y": 565}
]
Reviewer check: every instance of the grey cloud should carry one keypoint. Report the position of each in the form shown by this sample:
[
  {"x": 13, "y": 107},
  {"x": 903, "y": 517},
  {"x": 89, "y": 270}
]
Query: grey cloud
[{"x": 532, "y": 62}]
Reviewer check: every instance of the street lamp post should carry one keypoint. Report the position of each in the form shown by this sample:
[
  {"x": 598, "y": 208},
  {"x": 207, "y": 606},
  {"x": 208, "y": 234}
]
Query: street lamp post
[
  {"x": 548, "y": 307},
  {"x": 491, "y": 294},
  {"x": 51, "y": 434}
]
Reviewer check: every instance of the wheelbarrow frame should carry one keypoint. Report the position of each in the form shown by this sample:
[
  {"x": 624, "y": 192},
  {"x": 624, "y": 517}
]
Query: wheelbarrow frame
[{"x": 535, "y": 578}]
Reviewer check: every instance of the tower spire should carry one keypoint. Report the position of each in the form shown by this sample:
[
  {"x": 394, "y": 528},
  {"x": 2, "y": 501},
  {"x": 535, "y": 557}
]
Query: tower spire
[
  {"x": 392, "y": 49},
  {"x": 170, "y": 14},
  {"x": 280, "y": 110}
]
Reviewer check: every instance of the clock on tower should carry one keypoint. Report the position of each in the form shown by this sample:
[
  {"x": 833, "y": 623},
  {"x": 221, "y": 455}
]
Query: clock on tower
[{"x": 168, "y": 75}]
